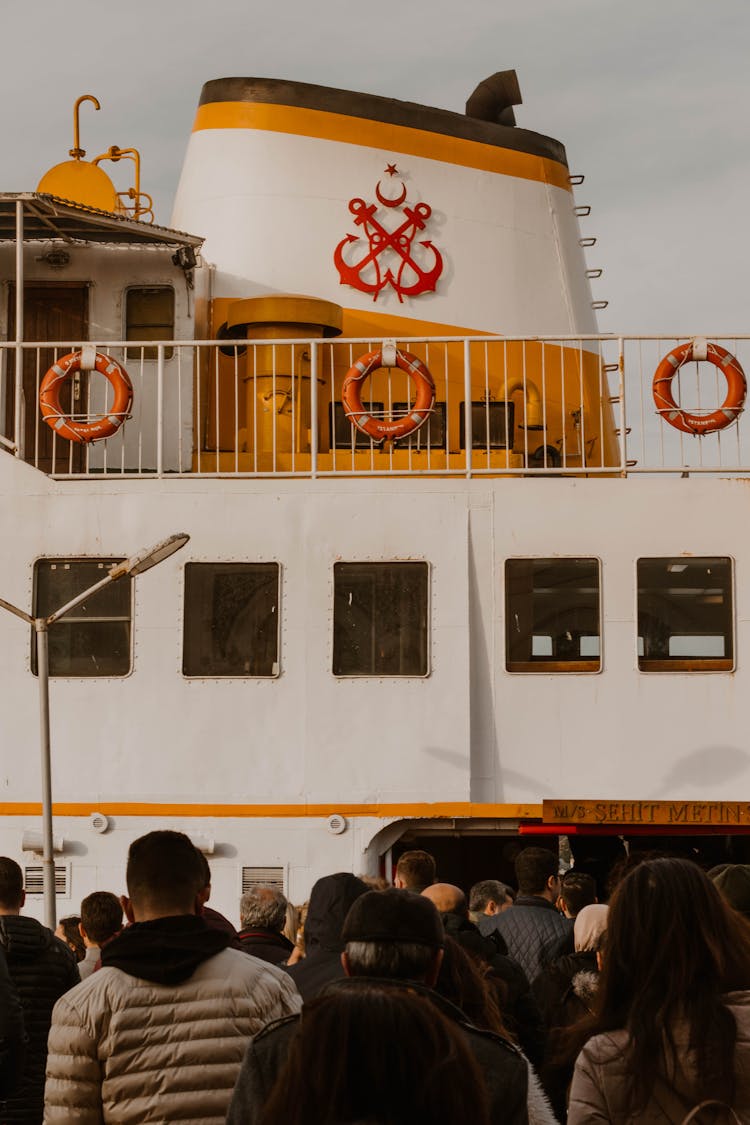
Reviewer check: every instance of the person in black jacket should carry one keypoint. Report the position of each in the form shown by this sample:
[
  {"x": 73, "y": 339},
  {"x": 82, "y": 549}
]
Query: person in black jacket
[
  {"x": 517, "y": 1005},
  {"x": 532, "y": 929},
  {"x": 262, "y": 918},
  {"x": 393, "y": 940},
  {"x": 41, "y": 968},
  {"x": 330, "y": 900},
  {"x": 12, "y": 1034}
]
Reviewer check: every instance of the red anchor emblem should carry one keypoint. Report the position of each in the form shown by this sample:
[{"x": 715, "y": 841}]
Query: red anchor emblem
[{"x": 370, "y": 274}]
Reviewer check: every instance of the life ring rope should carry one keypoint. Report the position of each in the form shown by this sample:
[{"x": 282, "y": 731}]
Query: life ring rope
[
  {"x": 73, "y": 426},
  {"x": 381, "y": 429},
  {"x": 698, "y": 424}
]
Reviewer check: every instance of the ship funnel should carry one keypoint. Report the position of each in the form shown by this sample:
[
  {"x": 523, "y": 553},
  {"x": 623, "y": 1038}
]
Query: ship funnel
[{"x": 494, "y": 98}]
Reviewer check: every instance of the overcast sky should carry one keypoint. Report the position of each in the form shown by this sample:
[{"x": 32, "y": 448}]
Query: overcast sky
[{"x": 650, "y": 97}]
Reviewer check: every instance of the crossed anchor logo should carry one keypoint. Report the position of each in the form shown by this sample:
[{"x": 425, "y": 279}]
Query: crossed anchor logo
[{"x": 367, "y": 274}]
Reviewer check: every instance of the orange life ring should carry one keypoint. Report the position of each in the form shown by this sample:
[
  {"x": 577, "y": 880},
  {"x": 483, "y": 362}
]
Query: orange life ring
[
  {"x": 97, "y": 428},
  {"x": 699, "y": 423},
  {"x": 378, "y": 428}
]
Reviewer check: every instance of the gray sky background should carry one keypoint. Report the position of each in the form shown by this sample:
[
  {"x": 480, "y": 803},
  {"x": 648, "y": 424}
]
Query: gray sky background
[{"x": 650, "y": 97}]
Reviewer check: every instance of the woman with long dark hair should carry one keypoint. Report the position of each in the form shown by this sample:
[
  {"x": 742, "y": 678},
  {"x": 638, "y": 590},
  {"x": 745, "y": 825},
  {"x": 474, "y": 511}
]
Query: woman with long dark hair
[
  {"x": 382, "y": 1056},
  {"x": 672, "y": 1024}
]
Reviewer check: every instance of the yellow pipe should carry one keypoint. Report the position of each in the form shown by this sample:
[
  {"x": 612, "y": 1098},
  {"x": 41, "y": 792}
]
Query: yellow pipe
[
  {"x": 76, "y": 151},
  {"x": 532, "y": 408}
]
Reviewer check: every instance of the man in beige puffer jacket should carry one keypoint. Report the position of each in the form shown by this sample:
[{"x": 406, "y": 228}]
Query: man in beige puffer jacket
[{"x": 159, "y": 1032}]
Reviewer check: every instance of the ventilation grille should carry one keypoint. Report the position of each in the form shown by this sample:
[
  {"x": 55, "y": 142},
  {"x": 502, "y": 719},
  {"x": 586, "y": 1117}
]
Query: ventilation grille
[
  {"x": 262, "y": 877},
  {"x": 33, "y": 880}
]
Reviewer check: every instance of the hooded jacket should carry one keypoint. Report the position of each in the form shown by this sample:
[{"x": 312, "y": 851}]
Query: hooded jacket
[
  {"x": 330, "y": 900},
  {"x": 159, "y": 1032},
  {"x": 598, "y": 1090},
  {"x": 41, "y": 968}
]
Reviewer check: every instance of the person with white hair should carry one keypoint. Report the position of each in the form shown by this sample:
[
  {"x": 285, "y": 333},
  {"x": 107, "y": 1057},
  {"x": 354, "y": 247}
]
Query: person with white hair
[{"x": 263, "y": 912}]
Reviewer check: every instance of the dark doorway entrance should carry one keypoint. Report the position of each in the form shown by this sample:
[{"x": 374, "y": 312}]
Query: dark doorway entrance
[
  {"x": 465, "y": 859},
  {"x": 56, "y": 311}
]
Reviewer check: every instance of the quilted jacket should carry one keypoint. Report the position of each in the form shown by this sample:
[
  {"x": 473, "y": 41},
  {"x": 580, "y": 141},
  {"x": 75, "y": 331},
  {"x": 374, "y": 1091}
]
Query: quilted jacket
[
  {"x": 597, "y": 1093},
  {"x": 126, "y": 1050},
  {"x": 533, "y": 931},
  {"x": 41, "y": 969}
]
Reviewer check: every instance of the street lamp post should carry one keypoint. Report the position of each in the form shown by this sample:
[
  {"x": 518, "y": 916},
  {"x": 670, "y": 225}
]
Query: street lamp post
[{"x": 131, "y": 567}]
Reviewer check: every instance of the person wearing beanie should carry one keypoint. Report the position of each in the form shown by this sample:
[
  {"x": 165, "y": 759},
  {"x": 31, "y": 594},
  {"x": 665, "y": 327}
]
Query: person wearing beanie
[{"x": 392, "y": 940}]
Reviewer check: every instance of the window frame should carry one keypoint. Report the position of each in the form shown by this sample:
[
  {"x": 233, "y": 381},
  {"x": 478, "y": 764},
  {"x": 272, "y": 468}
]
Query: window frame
[
  {"x": 382, "y": 676},
  {"x": 580, "y": 667},
  {"x": 273, "y": 676},
  {"x": 136, "y": 350},
  {"x": 110, "y": 560},
  {"x": 689, "y": 665}
]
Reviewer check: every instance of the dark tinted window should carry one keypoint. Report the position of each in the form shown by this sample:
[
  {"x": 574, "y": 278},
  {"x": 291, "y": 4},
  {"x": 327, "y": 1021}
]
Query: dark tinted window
[
  {"x": 552, "y": 615},
  {"x": 149, "y": 315},
  {"x": 491, "y": 425},
  {"x": 380, "y": 619},
  {"x": 231, "y": 619},
  {"x": 94, "y": 638},
  {"x": 685, "y": 614}
]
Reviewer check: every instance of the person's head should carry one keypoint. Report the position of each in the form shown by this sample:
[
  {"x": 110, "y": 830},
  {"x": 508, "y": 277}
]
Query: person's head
[
  {"x": 447, "y": 898},
  {"x": 577, "y": 889},
  {"x": 415, "y": 870},
  {"x": 165, "y": 877},
  {"x": 674, "y": 948},
  {"x": 733, "y": 884},
  {"x": 490, "y": 896},
  {"x": 68, "y": 930},
  {"x": 381, "y": 1055},
  {"x": 537, "y": 873},
  {"x": 263, "y": 908},
  {"x": 589, "y": 927},
  {"x": 394, "y": 934},
  {"x": 12, "y": 894},
  {"x": 330, "y": 900},
  {"x": 101, "y": 918}
]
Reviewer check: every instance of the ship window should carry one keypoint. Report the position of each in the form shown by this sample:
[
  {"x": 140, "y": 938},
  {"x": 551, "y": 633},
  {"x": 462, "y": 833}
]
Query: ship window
[
  {"x": 380, "y": 618},
  {"x": 491, "y": 425},
  {"x": 149, "y": 315},
  {"x": 685, "y": 615},
  {"x": 231, "y": 619},
  {"x": 552, "y": 615},
  {"x": 94, "y": 638},
  {"x": 431, "y": 435}
]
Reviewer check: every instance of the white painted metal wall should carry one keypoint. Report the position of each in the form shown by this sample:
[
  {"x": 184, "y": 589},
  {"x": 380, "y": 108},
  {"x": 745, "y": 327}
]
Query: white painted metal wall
[{"x": 469, "y": 730}]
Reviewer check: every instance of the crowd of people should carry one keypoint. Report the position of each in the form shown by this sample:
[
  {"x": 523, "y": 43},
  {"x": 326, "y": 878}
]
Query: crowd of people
[{"x": 381, "y": 1005}]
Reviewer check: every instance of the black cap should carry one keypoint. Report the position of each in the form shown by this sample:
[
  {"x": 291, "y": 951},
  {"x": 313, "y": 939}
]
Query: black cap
[{"x": 394, "y": 915}]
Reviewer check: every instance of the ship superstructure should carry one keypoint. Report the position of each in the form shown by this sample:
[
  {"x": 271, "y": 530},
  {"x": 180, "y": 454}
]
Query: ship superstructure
[{"x": 451, "y": 555}]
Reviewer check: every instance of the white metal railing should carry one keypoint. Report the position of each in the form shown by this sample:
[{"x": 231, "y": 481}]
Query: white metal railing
[{"x": 539, "y": 406}]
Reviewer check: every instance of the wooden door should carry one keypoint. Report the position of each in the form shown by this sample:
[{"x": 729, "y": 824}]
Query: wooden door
[{"x": 55, "y": 311}]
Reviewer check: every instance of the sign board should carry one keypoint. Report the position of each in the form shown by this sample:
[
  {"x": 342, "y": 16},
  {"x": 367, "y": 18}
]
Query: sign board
[{"x": 719, "y": 813}]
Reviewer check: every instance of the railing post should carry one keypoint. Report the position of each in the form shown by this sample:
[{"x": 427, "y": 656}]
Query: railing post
[
  {"x": 18, "y": 417},
  {"x": 313, "y": 409},
  {"x": 467, "y": 406},
  {"x": 160, "y": 410},
  {"x": 623, "y": 413}
]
